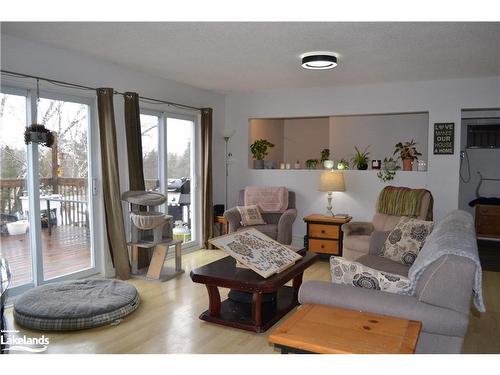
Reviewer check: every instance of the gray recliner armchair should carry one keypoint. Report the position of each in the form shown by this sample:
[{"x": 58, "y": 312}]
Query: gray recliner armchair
[
  {"x": 357, "y": 234},
  {"x": 278, "y": 225}
]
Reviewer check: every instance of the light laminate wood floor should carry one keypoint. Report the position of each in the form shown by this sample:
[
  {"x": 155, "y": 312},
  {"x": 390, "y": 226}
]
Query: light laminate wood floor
[{"x": 167, "y": 320}]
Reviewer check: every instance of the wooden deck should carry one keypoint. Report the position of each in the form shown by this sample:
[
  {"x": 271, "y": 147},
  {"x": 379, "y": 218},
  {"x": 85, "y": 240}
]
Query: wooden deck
[{"x": 66, "y": 250}]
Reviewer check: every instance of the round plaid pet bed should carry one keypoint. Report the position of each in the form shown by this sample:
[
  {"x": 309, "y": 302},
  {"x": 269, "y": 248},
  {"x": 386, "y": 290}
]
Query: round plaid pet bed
[{"x": 73, "y": 305}]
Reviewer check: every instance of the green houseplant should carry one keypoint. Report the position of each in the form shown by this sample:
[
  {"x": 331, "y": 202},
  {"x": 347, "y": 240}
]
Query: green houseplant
[
  {"x": 360, "y": 159},
  {"x": 39, "y": 134},
  {"x": 325, "y": 159},
  {"x": 343, "y": 164},
  {"x": 312, "y": 163},
  {"x": 259, "y": 152},
  {"x": 388, "y": 171},
  {"x": 407, "y": 153},
  {"x": 325, "y": 154}
]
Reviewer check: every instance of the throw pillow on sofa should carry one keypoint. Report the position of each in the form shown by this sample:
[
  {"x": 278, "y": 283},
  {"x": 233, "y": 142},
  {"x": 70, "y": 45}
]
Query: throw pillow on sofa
[
  {"x": 250, "y": 215},
  {"x": 352, "y": 273},
  {"x": 406, "y": 240}
]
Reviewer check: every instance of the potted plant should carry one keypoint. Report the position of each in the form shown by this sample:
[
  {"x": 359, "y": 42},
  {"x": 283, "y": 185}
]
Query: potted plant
[
  {"x": 38, "y": 134},
  {"x": 360, "y": 159},
  {"x": 259, "y": 152},
  {"x": 407, "y": 153},
  {"x": 312, "y": 163},
  {"x": 343, "y": 164},
  {"x": 325, "y": 159},
  {"x": 388, "y": 171}
]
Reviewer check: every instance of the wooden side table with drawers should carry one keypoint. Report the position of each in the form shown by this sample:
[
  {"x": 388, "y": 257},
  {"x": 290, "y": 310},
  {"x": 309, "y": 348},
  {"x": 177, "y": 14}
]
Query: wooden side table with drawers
[
  {"x": 324, "y": 234},
  {"x": 487, "y": 221}
]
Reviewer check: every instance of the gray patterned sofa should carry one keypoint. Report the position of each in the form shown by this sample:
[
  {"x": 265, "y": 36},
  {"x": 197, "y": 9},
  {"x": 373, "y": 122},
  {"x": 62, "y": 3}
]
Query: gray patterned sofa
[{"x": 444, "y": 277}]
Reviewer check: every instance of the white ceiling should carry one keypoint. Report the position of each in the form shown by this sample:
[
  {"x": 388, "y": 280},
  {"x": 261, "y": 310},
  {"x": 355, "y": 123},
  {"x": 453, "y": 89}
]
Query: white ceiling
[{"x": 232, "y": 57}]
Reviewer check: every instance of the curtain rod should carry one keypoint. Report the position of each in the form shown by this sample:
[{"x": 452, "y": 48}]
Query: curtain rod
[{"x": 82, "y": 87}]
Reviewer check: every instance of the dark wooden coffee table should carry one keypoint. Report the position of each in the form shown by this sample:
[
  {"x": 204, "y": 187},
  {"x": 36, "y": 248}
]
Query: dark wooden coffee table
[{"x": 257, "y": 316}]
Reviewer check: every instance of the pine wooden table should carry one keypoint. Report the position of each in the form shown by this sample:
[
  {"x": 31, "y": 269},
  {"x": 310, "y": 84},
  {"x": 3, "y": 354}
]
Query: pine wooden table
[{"x": 331, "y": 330}]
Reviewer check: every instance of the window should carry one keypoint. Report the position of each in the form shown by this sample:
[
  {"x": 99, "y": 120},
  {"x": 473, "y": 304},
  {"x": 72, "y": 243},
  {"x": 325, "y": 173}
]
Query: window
[
  {"x": 484, "y": 136},
  {"x": 150, "y": 156}
]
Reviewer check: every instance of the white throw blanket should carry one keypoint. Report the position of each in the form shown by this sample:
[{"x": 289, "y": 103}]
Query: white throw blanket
[
  {"x": 454, "y": 235},
  {"x": 268, "y": 198}
]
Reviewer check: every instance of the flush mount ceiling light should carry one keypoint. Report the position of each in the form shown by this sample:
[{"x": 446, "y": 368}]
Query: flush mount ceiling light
[{"x": 319, "y": 60}]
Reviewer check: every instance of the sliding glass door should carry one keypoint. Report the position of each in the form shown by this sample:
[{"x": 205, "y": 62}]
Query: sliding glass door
[
  {"x": 15, "y": 243},
  {"x": 181, "y": 177},
  {"x": 64, "y": 188},
  {"x": 150, "y": 154},
  {"x": 169, "y": 160},
  {"x": 46, "y": 201}
]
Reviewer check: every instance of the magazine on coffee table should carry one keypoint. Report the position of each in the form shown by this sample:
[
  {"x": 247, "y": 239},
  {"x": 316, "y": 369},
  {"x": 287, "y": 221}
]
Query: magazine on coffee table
[{"x": 257, "y": 251}]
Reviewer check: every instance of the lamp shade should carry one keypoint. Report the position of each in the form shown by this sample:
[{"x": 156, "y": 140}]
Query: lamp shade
[
  {"x": 331, "y": 181},
  {"x": 227, "y": 133}
]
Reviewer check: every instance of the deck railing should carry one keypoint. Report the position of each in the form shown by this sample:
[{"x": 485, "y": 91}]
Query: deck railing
[
  {"x": 73, "y": 204},
  {"x": 74, "y": 201}
]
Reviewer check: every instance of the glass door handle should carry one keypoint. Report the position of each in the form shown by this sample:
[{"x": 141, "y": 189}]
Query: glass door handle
[{"x": 94, "y": 186}]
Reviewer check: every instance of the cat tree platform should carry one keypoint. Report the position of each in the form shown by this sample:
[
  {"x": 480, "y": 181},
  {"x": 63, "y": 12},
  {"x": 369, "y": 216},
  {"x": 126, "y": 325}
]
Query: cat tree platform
[{"x": 156, "y": 269}]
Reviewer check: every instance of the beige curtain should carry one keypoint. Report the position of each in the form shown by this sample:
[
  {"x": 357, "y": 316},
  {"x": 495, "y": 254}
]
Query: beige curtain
[
  {"x": 206, "y": 162},
  {"x": 111, "y": 184},
  {"x": 134, "y": 141}
]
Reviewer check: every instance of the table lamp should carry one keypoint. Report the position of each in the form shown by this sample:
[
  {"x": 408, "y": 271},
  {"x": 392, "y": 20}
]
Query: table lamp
[{"x": 329, "y": 182}]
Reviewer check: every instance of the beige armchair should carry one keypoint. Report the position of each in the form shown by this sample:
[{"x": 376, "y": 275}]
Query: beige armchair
[
  {"x": 278, "y": 225},
  {"x": 357, "y": 235}
]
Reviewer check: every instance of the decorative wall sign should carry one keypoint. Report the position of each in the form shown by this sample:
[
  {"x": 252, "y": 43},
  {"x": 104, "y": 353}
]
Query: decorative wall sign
[
  {"x": 444, "y": 138},
  {"x": 257, "y": 251}
]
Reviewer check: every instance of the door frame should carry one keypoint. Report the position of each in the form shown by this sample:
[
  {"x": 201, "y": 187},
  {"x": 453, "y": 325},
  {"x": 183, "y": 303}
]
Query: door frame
[
  {"x": 33, "y": 184},
  {"x": 195, "y": 175},
  {"x": 195, "y": 164}
]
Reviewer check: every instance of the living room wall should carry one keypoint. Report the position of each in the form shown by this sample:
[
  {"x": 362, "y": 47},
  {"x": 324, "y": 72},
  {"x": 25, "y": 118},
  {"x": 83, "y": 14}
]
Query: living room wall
[
  {"x": 442, "y": 100},
  {"x": 377, "y": 132},
  {"x": 24, "y": 56},
  {"x": 304, "y": 139}
]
